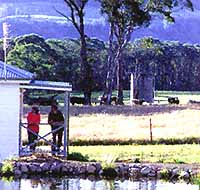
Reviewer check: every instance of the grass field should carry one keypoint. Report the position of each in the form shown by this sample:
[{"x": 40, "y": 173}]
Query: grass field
[
  {"x": 150, "y": 153},
  {"x": 132, "y": 122},
  {"x": 93, "y": 123},
  {"x": 126, "y": 122}
]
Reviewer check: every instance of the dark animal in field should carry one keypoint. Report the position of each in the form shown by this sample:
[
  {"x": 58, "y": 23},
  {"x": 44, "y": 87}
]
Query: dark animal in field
[
  {"x": 194, "y": 102},
  {"x": 103, "y": 100},
  {"x": 138, "y": 101},
  {"x": 77, "y": 100},
  {"x": 173, "y": 100}
]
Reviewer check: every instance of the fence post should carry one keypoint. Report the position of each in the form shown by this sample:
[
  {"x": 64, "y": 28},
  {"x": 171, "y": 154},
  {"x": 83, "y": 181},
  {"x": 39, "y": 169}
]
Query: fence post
[
  {"x": 131, "y": 90},
  {"x": 151, "y": 135}
]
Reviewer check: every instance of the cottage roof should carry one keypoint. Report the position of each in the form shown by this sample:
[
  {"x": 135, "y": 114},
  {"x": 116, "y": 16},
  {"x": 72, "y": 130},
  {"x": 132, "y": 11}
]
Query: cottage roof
[
  {"x": 14, "y": 73},
  {"x": 48, "y": 85}
]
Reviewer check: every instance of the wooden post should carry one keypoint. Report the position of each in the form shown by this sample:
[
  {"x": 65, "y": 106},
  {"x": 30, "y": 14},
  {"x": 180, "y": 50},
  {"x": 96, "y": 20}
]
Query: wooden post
[
  {"x": 131, "y": 90},
  {"x": 66, "y": 125},
  {"x": 151, "y": 135}
]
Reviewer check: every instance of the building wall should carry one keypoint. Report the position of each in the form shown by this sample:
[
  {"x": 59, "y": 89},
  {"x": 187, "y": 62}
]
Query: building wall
[{"x": 9, "y": 120}]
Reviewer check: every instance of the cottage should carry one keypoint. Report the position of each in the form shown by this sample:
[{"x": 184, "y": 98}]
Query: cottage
[{"x": 12, "y": 82}]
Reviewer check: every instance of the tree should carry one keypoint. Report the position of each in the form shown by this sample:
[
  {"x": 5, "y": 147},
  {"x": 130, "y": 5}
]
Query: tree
[
  {"x": 30, "y": 52},
  {"x": 124, "y": 17},
  {"x": 76, "y": 8}
]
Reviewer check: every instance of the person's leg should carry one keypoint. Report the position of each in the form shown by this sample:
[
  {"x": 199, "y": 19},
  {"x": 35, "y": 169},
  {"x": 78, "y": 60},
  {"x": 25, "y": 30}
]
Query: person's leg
[
  {"x": 30, "y": 139},
  {"x": 54, "y": 139},
  {"x": 60, "y": 135},
  {"x": 35, "y": 137}
]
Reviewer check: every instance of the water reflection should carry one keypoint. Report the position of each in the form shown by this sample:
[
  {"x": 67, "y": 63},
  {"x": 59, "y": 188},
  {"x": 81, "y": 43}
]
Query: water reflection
[{"x": 86, "y": 184}]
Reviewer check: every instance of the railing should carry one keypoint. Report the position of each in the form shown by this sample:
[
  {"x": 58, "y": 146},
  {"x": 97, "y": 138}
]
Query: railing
[{"x": 23, "y": 150}]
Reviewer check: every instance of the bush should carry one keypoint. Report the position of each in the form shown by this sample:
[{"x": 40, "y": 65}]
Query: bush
[
  {"x": 109, "y": 172},
  {"x": 7, "y": 168},
  {"x": 164, "y": 174},
  {"x": 78, "y": 157}
]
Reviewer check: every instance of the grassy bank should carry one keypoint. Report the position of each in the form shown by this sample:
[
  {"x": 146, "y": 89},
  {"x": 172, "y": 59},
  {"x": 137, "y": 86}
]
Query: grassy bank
[{"x": 150, "y": 153}]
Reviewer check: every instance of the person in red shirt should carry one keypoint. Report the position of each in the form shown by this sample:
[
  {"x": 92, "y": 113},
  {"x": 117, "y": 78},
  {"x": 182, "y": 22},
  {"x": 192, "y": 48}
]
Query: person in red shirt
[{"x": 33, "y": 120}]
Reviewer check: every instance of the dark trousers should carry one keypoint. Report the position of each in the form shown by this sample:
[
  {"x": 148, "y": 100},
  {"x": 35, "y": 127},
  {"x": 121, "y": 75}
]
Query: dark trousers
[
  {"x": 57, "y": 137},
  {"x": 31, "y": 138}
]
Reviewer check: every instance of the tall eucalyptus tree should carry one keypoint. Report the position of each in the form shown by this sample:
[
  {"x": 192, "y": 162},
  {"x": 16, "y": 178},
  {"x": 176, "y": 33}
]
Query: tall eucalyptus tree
[
  {"x": 76, "y": 17},
  {"x": 124, "y": 17}
]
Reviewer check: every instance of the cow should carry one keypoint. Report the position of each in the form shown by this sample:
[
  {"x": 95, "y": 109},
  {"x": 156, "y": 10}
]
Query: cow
[
  {"x": 138, "y": 101},
  {"x": 103, "y": 100},
  {"x": 173, "y": 100},
  {"x": 77, "y": 100}
]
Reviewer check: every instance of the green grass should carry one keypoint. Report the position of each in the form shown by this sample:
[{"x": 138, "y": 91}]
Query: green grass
[
  {"x": 126, "y": 93},
  {"x": 148, "y": 153},
  {"x": 173, "y": 93},
  {"x": 184, "y": 96}
]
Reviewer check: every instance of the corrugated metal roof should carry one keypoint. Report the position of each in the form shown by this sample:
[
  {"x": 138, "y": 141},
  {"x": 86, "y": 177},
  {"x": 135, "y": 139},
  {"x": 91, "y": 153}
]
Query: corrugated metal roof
[
  {"x": 13, "y": 73},
  {"x": 48, "y": 85}
]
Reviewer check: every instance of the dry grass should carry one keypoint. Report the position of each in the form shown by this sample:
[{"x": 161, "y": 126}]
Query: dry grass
[{"x": 129, "y": 122}]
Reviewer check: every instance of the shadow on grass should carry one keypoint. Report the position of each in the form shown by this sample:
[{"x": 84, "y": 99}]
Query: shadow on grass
[
  {"x": 135, "y": 110},
  {"x": 106, "y": 142}
]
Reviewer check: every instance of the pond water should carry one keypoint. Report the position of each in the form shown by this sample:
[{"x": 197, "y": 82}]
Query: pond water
[{"x": 86, "y": 184}]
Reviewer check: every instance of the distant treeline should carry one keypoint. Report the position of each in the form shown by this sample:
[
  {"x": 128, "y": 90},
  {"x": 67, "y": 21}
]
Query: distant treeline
[{"x": 175, "y": 66}]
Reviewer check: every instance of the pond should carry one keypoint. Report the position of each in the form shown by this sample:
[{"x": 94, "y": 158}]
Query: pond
[{"x": 88, "y": 184}]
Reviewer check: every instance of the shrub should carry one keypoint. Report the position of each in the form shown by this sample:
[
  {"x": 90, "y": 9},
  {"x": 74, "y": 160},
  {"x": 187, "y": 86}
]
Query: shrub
[
  {"x": 109, "y": 172},
  {"x": 164, "y": 173},
  {"x": 7, "y": 168},
  {"x": 195, "y": 180},
  {"x": 178, "y": 161},
  {"x": 108, "y": 161},
  {"x": 78, "y": 157}
]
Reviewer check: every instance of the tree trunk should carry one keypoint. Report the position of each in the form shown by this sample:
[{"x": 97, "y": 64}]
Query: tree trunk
[
  {"x": 86, "y": 70},
  {"x": 135, "y": 80},
  {"x": 86, "y": 73},
  {"x": 119, "y": 77},
  {"x": 110, "y": 69},
  {"x": 123, "y": 39}
]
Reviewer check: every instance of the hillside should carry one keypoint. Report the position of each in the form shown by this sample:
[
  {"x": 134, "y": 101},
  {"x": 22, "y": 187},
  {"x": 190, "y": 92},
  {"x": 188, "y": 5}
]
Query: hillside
[{"x": 42, "y": 18}]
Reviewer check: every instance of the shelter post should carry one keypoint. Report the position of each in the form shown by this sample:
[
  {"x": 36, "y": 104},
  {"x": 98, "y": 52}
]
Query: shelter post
[
  {"x": 66, "y": 124},
  {"x": 20, "y": 119}
]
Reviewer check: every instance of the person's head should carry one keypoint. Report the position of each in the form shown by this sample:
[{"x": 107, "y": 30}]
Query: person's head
[
  {"x": 54, "y": 108},
  {"x": 35, "y": 109}
]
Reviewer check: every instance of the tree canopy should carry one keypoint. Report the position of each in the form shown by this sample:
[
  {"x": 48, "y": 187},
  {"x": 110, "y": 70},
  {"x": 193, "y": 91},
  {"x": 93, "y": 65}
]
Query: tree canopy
[
  {"x": 124, "y": 17},
  {"x": 176, "y": 66}
]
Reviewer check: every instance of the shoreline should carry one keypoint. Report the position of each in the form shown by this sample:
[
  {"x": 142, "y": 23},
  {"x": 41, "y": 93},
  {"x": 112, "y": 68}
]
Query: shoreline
[{"x": 45, "y": 166}]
